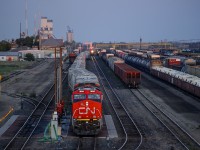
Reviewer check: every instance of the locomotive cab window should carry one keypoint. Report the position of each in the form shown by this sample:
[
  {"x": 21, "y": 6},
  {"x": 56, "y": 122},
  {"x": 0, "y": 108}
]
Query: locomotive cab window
[
  {"x": 78, "y": 97},
  {"x": 95, "y": 97}
]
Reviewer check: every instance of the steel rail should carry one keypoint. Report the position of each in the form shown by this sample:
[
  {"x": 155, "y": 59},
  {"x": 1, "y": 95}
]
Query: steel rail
[
  {"x": 187, "y": 139},
  {"x": 39, "y": 119},
  {"x": 118, "y": 116},
  {"x": 15, "y": 136},
  {"x": 81, "y": 143}
]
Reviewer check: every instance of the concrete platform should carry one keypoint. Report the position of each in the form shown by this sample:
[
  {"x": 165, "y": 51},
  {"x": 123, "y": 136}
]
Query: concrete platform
[
  {"x": 112, "y": 132},
  {"x": 8, "y": 124}
]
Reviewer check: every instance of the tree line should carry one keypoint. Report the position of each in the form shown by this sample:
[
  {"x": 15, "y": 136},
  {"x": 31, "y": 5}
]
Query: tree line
[{"x": 27, "y": 41}]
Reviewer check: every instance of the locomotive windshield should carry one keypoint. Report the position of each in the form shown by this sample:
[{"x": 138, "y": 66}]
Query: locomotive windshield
[
  {"x": 78, "y": 97},
  {"x": 94, "y": 96}
]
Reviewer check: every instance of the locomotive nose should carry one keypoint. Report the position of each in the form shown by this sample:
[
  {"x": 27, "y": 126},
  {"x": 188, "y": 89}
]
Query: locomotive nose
[{"x": 86, "y": 103}]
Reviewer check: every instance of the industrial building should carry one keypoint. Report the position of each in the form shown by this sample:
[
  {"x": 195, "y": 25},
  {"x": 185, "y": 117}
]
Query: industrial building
[
  {"x": 9, "y": 56},
  {"x": 46, "y": 30},
  {"x": 36, "y": 53},
  {"x": 70, "y": 37},
  {"x": 51, "y": 43}
]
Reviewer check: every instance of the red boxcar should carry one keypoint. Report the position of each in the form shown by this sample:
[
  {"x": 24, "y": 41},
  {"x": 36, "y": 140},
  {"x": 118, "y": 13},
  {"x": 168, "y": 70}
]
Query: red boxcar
[
  {"x": 72, "y": 57},
  {"x": 129, "y": 75}
]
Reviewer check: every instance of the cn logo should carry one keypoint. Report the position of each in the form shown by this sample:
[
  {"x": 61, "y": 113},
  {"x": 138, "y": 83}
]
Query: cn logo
[{"x": 86, "y": 110}]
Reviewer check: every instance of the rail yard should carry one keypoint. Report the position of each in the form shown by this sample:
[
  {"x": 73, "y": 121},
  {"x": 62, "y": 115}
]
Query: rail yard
[
  {"x": 100, "y": 75},
  {"x": 113, "y": 99}
]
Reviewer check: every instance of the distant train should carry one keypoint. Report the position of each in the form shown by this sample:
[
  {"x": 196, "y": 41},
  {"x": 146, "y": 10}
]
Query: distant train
[
  {"x": 129, "y": 75},
  {"x": 86, "y": 98},
  {"x": 72, "y": 57},
  {"x": 152, "y": 64}
]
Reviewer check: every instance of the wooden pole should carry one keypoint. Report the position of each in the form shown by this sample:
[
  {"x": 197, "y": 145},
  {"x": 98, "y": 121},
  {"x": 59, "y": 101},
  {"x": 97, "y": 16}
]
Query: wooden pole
[
  {"x": 60, "y": 74},
  {"x": 55, "y": 79}
]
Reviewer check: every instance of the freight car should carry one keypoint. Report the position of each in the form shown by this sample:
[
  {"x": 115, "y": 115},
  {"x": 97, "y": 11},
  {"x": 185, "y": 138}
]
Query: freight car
[
  {"x": 182, "y": 80},
  {"x": 153, "y": 66},
  {"x": 130, "y": 76},
  {"x": 113, "y": 60},
  {"x": 72, "y": 57},
  {"x": 86, "y": 98},
  {"x": 143, "y": 63}
]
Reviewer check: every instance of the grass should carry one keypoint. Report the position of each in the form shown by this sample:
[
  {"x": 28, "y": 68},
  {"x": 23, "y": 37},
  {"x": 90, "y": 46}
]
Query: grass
[
  {"x": 8, "y": 67},
  {"x": 4, "y": 70}
]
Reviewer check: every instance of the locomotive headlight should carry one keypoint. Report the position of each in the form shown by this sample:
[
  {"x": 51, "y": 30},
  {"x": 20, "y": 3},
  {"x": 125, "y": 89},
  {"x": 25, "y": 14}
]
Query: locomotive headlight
[
  {"x": 92, "y": 51},
  {"x": 94, "y": 116},
  {"x": 79, "y": 116},
  {"x": 86, "y": 103}
]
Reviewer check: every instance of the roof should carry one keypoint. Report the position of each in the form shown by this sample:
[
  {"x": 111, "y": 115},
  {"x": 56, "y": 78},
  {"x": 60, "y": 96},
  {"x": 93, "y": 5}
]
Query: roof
[
  {"x": 178, "y": 74},
  {"x": 51, "y": 42},
  {"x": 20, "y": 49},
  {"x": 8, "y": 53}
]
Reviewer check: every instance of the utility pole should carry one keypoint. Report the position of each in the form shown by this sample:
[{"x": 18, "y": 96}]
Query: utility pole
[
  {"x": 55, "y": 80},
  {"x": 60, "y": 81},
  {"x": 140, "y": 43},
  {"x": 26, "y": 10},
  {"x": 20, "y": 32},
  {"x": 0, "y": 85},
  {"x": 20, "y": 35}
]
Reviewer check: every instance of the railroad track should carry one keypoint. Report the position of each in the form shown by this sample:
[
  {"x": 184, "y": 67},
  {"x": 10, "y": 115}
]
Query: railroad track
[
  {"x": 87, "y": 143},
  {"x": 21, "y": 138},
  {"x": 11, "y": 76},
  {"x": 133, "y": 136},
  {"x": 179, "y": 133}
]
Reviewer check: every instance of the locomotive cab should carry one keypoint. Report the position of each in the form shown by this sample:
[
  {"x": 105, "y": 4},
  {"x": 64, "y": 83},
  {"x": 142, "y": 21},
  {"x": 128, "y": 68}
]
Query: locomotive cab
[{"x": 87, "y": 111}]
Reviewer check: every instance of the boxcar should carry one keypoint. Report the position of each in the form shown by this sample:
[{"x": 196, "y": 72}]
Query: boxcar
[
  {"x": 129, "y": 75},
  {"x": 72, "y": 57}
]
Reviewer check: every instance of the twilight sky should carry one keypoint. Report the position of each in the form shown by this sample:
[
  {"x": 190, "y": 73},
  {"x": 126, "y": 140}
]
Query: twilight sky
[{"x": 106, "y": 20}]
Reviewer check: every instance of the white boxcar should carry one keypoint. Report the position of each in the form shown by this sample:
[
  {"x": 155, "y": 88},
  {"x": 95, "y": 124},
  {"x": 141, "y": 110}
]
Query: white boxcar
[{"x": 113, "y": 60}]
